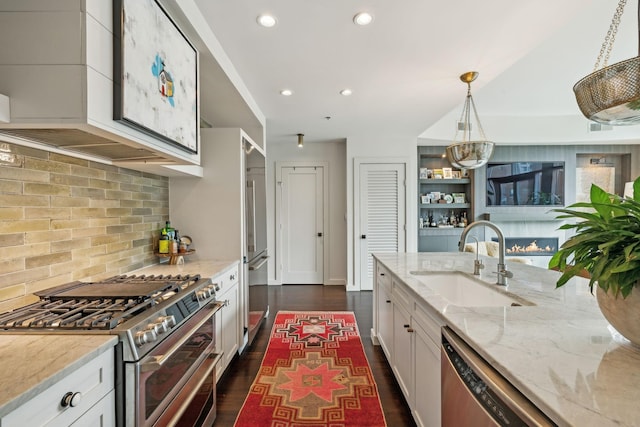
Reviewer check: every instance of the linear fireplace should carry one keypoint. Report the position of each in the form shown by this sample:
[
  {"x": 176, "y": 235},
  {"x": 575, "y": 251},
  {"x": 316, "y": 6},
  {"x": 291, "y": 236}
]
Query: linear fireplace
[{"x": 530, "y": 246}]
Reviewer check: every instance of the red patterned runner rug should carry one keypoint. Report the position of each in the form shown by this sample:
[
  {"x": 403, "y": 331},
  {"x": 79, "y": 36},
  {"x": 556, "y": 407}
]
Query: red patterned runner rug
[{"x": 314, "y": 374}]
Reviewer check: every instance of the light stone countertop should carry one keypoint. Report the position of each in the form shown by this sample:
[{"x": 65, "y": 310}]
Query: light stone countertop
[
  {"x": 204, "y": 268},
  {"x": 29, "y": 364},
  {"x": 561, "y": 353}
]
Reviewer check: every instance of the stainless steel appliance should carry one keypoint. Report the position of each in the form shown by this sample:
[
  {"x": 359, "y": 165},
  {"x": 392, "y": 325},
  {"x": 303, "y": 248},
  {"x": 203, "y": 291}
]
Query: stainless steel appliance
[
  {"x": 476, "y": 395},
  {"x": 256, "y": 251},
  {"x": 165, "y": 360}
]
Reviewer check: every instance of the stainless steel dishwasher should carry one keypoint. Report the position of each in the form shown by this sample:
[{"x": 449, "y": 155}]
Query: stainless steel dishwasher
[{"x": 476, "y": 395}]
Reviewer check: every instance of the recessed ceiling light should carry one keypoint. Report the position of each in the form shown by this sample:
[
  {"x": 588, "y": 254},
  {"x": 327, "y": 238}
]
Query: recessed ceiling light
[
  {"x": 346, "y": 92},
  {"x": 286, "y": 92},
  {"x": 363, "y": 18},
  {"x": 267, "y": 21}
]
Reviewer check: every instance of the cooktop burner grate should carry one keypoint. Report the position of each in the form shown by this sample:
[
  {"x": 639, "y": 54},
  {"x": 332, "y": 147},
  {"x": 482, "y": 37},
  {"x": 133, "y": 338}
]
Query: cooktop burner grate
[{"x": 96, "y": 305}]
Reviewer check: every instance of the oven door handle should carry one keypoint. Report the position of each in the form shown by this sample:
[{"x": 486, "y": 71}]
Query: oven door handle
[{"x": 153, "y": 363}]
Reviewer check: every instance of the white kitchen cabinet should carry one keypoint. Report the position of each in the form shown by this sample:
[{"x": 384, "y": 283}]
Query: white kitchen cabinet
[
  {"x": 402, "y": 365},
  {"x": 414, "y": 350},
  {"x": 92, "y": 395},
  {"x": 384, "y": 312},
  {"x": 426, "y": 409},
  {"x": 229, "y": 320}
]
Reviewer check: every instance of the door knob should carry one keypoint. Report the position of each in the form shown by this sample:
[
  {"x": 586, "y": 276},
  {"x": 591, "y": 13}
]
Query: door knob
[
  {"x": 319, "y": 234},
  {"x": 364, "y": 236}
]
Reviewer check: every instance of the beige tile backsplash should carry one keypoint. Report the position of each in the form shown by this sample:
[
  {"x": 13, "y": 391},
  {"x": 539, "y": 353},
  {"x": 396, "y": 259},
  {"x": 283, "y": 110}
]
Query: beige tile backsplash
[{"x": 64, "y": 218}]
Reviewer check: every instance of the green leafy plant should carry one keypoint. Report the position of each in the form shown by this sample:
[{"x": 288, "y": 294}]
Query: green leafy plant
[{"x": 606, "y": 242}]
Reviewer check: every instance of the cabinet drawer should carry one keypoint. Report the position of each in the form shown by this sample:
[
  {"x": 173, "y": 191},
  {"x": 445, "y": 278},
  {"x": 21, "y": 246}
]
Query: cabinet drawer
[
  {"x": 93, "y": 380},
  {"x": 428, "y": 321},
  {"x": 226, "y": 279},
  {"x": 383, "y": 276},
  {"x": 401, "y": 296}
]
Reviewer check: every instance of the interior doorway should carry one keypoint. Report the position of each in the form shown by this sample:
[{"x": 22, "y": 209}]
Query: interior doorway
[
  {"x": 380, "y": 214},
  {"x": 301, "y": 214}
]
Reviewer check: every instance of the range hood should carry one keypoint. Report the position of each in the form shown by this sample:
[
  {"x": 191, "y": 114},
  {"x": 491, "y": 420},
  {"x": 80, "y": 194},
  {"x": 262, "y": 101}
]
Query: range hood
[{"x": 56, "y": 69}]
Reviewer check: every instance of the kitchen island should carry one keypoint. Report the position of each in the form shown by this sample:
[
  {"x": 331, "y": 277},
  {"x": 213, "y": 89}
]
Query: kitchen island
[{"x": 556, "y": 348}]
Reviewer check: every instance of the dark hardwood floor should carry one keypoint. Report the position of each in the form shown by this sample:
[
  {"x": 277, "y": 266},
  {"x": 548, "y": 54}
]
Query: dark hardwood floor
[{"x": 234, "y": 385}]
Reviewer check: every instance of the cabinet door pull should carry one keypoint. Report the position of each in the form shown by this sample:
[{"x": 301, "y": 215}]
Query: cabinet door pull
[
  {"x": 388, "y": 301},
  {"x": 71, "y": 399},
  {"x": 406, "y": 326},
  {"x": 410, "y": 330}
]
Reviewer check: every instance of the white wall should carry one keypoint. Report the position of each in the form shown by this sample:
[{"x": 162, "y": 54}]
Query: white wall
[{"x": 333, "y": 153}]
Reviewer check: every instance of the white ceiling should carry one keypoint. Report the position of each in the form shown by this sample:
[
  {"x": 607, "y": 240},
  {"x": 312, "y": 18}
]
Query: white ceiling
[{"x": 404, "y": 67}]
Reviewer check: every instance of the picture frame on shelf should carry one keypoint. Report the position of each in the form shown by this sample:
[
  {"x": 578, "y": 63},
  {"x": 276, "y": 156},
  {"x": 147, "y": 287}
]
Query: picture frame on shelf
[
  {"x": 423, "y": 173},
  {"x": 447, "y": 173},
  {"x": 438, "y": 173},
  {"x": 424, "y": 199},
  {"x": 456, "y": 174},
  {"x": 459, "y": 198}
]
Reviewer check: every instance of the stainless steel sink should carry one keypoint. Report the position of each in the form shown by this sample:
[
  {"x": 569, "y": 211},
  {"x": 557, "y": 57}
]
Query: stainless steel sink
[{"x": 467, "y": 291}]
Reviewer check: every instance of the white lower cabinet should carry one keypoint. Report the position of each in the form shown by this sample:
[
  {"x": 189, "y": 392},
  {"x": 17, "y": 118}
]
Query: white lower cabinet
[
  {"x": 91, "y": 398},
  {"x": 402, "y": 363},
  {"x": 426, "y": 409},
  {"x": 414, "y": 345},
  {"x": 228, "y": 320},
  {"x": 385, "y": 315}
]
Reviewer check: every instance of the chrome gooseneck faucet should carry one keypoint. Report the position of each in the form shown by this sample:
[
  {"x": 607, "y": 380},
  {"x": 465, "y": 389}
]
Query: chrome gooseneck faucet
[{"x": 503, "y": 273}]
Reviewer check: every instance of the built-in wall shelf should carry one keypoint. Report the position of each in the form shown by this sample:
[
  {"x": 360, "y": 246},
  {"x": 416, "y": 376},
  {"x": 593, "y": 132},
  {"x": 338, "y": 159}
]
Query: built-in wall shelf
[
  {"x": 440, "y": 231},
  {"x": 445, "y": 205},
  {"x": 525, "y": 215},
  {"x": 456, "y": 187},
  {"x": 446, "y": 181}
]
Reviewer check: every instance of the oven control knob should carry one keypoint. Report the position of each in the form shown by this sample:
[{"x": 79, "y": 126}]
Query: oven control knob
[
  {"x": 146, "y": 336},
  {"x": 150, "y": 335},
  {"x": 203, "y": 294},
  {"x": 159, "y": 327},
  {"x": 171, "y": 321},
  {"x": 139, "y": 338}
]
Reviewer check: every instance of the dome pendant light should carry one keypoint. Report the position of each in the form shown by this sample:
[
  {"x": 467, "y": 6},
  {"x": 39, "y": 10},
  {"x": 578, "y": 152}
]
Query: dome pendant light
[
  {"x": 611, "y": 94},
  {"x": 469, "y": 154}
]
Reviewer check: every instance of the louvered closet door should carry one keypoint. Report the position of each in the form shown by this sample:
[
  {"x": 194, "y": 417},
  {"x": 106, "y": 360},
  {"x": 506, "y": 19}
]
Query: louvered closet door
[{"x": 382, "y": 213}]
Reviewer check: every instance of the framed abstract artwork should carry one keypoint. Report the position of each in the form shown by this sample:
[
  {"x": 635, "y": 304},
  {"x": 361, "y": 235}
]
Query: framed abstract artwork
[{"x": 155, "y": 79}]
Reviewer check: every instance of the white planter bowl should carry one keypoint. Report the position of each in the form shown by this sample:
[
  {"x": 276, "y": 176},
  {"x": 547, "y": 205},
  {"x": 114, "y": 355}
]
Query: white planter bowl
[{"x": 622, "y": 313}]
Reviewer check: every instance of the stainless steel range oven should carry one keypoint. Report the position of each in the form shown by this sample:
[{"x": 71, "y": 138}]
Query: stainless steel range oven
[{"x": 165, "y": 360}]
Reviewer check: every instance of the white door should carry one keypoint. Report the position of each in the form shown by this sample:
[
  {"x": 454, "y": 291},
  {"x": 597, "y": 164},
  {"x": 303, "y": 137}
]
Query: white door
[
  {"x": 302, "y": 224},
  {"x": 381, "y": 216}
]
